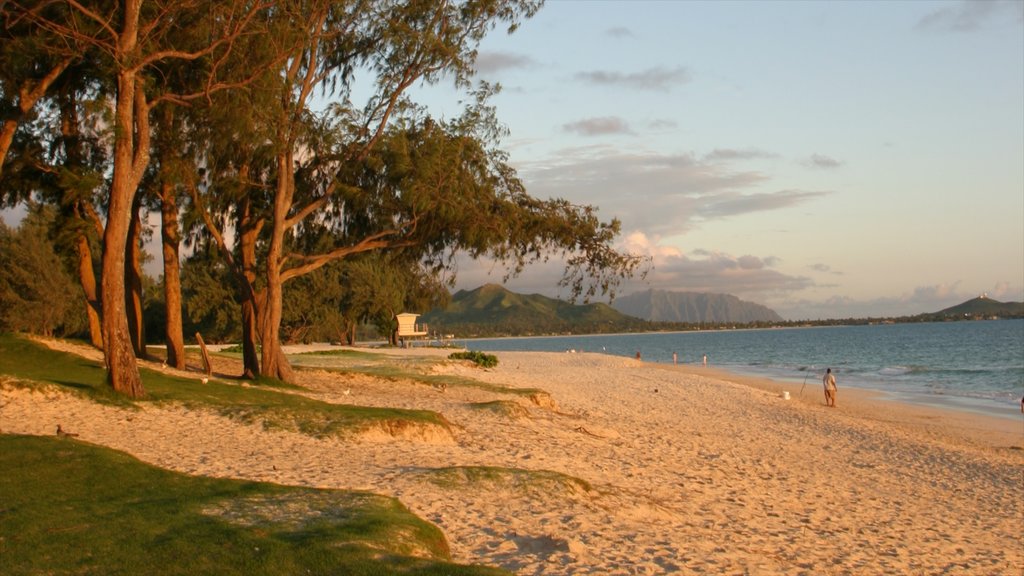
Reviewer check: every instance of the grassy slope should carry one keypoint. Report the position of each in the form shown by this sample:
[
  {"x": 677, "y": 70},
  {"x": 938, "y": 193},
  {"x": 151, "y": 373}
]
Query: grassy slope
[{"x": 70, "y": 508}]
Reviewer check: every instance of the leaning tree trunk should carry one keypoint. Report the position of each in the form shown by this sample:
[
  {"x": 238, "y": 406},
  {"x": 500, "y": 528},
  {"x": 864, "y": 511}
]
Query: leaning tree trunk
[
  {"x": 172, "y": 276},
  {"x": 133, "y": 280},
  {"x": 87, "y": 280}
]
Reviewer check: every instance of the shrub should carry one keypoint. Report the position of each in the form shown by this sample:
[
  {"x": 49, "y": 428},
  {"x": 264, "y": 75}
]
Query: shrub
[{"x": 478, "y": 358}]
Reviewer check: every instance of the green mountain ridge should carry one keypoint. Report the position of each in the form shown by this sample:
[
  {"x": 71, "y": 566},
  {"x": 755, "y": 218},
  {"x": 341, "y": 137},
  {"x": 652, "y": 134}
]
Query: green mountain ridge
[
  {"x": 693, "y": 307},
  {"x": 983, "y": 307},
  {"x": 492, "y": 310}
]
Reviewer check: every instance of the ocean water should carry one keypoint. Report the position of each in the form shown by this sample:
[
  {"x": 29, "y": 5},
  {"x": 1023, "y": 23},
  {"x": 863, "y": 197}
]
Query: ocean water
[{"x": 973, "y": 366}]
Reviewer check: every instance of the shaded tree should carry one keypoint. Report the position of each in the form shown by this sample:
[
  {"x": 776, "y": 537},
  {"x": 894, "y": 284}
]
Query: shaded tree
[{"x": 36, "y": 293}]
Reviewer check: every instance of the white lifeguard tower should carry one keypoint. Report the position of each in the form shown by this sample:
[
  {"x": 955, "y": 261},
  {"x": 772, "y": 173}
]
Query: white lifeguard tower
[{"x": 408, "y": 328}]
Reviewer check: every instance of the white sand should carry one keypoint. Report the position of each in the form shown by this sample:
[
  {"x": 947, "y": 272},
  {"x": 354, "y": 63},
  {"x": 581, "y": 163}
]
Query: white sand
[{"x": 690, "y": 470}]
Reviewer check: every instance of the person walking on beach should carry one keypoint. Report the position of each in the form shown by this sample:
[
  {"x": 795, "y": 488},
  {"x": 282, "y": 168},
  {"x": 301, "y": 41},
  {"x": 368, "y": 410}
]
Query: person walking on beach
[{"x": 830, "y": 388}]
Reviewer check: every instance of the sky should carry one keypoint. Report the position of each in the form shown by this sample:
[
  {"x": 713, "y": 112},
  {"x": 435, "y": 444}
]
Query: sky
[{"x": 825, "y": 159}]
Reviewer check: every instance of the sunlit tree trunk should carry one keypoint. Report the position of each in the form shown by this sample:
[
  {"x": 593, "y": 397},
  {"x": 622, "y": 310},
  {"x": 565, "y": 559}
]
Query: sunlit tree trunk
[{"x": 122, "y": 370}]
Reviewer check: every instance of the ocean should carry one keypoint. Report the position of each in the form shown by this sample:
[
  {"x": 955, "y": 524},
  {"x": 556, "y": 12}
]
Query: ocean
[{"x": 974, "y": 366}]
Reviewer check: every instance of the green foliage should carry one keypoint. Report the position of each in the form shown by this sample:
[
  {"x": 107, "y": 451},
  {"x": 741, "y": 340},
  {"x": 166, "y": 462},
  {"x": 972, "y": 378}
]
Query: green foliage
[
  {"x": 208, "y": 291},
  {"x": 481, "y": 359},
  {"x": 70, "y": 507},
  {"x": 36, "y": 294}
]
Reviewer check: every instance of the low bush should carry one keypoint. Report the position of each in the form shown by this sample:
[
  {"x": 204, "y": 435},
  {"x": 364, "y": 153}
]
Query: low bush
[{"x": 479, "y": 358}]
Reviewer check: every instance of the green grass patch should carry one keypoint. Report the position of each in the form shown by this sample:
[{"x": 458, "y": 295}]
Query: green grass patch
[
  {"x": 67, "y": 507},
  {"x": 505, "y": 408},
  {"x": 387, "y": 367},
  {"x": 32, "y": 363},
  {"x": 518, "y": 479}
]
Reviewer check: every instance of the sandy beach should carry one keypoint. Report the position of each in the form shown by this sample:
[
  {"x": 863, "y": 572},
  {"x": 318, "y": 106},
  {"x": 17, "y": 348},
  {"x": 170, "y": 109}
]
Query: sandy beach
[{"x": 625, "y": 467}]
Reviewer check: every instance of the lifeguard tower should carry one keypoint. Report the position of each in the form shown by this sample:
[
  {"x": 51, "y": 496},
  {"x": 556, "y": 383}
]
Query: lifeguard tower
[{"x": 408, "y": 328}]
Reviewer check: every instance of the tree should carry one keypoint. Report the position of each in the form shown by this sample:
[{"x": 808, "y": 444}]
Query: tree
[
  {"x": 134, "y": 37},
  {"x": 35, "y": 291}
]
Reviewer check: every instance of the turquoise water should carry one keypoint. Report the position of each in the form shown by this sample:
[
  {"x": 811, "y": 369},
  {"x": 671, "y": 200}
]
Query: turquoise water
[{"x": 975, "y": 366}]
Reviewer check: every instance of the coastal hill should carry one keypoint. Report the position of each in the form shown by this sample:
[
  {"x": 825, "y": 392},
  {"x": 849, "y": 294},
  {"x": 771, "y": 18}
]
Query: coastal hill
[
  {"x": 983, "y": 307},
  {"x": 492, "y": 310},
  {"x": 692, "y": 307}
]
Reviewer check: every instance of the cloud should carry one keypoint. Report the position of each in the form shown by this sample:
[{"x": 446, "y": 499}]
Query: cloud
[
  {"x": 727, "y": 154},
  {"x": 491, "y": 62},
  {"x": 598, "y": 126},
  {"x": 709, "y": 271},
  {"x": 824, "y": 269},
  {"x": 971, "y": 15},
  {"x": 663, "y": 124},
  {"x": 679, "y": 191},
  {"x": 922, "y": 299},
  {"x": 620, "y": 32},
  {"x": 655, "y": 79},
  {"x": 821, "y": 161}
]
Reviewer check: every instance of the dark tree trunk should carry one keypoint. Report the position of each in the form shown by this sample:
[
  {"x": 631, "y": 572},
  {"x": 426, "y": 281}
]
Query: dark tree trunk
[
  {"x": 172, "y": 275},
  {"x": 133, "y": 280}
]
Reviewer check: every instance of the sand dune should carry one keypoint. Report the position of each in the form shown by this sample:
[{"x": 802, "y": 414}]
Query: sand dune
[{"x": 634, "y": 468}]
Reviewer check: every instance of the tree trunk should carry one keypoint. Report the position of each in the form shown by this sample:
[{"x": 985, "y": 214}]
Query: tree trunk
[
  {"x": 122, "y": 371},
  {"x": 130, "y": 158},
  {"x": 250, "y": 298},
  {"x": 274, "y": 362},
  {"x": 87, "y": 279},
  {"x": 133, "y": 280},
  {"x": 173, "y": 331}
]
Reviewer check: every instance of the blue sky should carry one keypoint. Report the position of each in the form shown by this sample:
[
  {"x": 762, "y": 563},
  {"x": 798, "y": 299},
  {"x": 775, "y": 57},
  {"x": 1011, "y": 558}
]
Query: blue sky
[{"x": 827, "y": 159}]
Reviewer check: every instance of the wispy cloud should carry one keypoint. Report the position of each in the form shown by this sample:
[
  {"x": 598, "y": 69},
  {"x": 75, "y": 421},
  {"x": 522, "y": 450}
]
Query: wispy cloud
[
  {"x": 821, "y": 161},
  {"x": 972, "y": 15},
  {"x": 655, "y": 79},
  {"x": 824, "y": 269},
  {"x": 492, "y": 62},
  {"x": 726, "y": 154},
  {"x": 684, "y": 189},
  {"x": 598, "y": 126},
  {"x": 711, "y": 271}
]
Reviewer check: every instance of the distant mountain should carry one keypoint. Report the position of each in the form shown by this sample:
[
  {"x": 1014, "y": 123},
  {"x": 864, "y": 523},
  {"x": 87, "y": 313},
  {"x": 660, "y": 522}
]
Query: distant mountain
[
  {"x": 693, "y": 307},
  {"x": 983, "y": 307},
  {"x": 491, "y": 310}
]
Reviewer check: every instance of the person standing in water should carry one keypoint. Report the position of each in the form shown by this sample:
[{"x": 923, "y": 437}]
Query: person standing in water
[{"x": 830, "y": 388}]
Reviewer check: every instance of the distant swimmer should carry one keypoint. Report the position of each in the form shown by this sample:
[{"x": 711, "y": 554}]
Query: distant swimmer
[{"x": 829, "y": 382}]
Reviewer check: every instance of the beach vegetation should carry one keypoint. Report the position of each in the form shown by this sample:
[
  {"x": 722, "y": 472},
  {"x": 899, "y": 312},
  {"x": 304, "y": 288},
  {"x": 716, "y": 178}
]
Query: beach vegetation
[
  {"x": 481, "y": 359},
  {"x": 414, "y": 369},
  {"x": 74, "y": 508},
  {"x": 505, "y": 408},
  {"x": 517, "y": 479},
  {"x": 272, "y": 406}
]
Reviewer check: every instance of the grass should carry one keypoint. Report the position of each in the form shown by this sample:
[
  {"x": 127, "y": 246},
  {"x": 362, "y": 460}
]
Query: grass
[
  {"x": 505, "y": 408},
  {"x": 390, "y": 368},
  {"x": 32, "y": 364},
  {"x": 67, "y": 507},
  {"x": 526, "y": 481}
]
